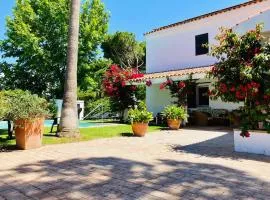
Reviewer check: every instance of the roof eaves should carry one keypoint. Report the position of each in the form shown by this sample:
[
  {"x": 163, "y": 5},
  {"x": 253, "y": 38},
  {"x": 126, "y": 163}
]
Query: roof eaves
[{"x": 204, "y": 16}]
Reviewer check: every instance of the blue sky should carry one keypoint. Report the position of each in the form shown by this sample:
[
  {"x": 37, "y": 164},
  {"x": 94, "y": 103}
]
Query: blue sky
[{"x": 140, "y": 16}]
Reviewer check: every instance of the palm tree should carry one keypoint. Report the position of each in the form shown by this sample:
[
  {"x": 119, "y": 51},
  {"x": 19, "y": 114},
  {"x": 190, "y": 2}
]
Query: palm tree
[{"x": 69, "y": 115}]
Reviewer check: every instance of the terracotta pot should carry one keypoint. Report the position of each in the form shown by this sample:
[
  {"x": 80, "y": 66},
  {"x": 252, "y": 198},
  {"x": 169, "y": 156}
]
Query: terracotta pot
[
  {"x": 139, "y": 129},
  {"x": 29, "y": 133},
  {"x": 201, "y": 118},
  {"x": 174, "y": 124}
]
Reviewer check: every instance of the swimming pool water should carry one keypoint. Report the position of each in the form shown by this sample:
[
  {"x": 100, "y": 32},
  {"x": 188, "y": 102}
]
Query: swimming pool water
[{"x": 48, "y": 123}]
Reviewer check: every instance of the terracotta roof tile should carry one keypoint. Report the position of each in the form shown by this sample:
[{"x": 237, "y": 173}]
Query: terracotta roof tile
[
  {"x": 181, "y": 72},
  {"x": 206, "y": 15}
]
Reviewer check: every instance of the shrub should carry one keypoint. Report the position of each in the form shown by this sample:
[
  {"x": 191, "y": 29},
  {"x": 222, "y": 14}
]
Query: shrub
[
  {"x": 23, "y": 105},
  {"x": 140, "y": 114},
  {"x": 53, "y": 109},
  {"x": 116, "y": 88},
  {"x": 179, "y": 89},
  {"x": 243, "y": 75},
  {"x": 3, "y": 106},
  {"x": 175, "y": 112}
]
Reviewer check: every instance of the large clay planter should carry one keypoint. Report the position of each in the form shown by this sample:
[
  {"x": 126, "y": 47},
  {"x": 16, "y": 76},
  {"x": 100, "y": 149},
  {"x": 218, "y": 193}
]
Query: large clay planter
[
  {"x": 201, "y": 118},
  {"x": 174, "y": 124},
  {"x": 29, "y": 133},
  {"x": 139, "y": 129}
]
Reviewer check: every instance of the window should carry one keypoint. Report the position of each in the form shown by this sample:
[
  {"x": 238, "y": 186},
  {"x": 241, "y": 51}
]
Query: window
[
  {"x": 200, "y": 41},
  {"x": 203, "y": 97}
]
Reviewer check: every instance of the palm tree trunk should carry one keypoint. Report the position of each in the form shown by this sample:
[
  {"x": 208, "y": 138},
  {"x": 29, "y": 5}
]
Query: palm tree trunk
[{"x": 69, "y": 115}]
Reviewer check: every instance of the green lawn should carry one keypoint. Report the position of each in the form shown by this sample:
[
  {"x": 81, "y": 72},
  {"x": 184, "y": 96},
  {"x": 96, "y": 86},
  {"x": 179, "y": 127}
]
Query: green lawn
[{"x": 121, "y": 130}]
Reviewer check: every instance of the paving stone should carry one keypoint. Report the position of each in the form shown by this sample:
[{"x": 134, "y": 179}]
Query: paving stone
[{"x": 186, "y": 164}]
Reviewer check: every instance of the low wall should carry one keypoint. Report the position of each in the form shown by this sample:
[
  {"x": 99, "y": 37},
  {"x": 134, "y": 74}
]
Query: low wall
[{"x": 258, "y": 142}]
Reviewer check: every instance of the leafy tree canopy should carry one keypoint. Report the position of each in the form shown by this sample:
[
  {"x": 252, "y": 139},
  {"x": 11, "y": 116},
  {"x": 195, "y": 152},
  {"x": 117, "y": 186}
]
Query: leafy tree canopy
[
  {"x": 123, "y": 49},
  {"x": 36, "y": 43}
]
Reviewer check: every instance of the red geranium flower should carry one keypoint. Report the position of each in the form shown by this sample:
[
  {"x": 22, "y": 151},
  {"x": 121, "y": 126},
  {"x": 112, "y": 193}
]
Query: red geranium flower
[
  {"x": 233, "y": 89},
  {"x": 148, "y": 83},
  {"x": 169, "y": 82},
  {"x": 123, "y": 83},
  {"x": 245, "y": 134},
  {"x": 223, "y": 88},
  {"x": 181, "y": 84},
  {"x": 162, "y": 86},
  {"x": 239, "y": 95},
  {"x": 214, "y": 70}
]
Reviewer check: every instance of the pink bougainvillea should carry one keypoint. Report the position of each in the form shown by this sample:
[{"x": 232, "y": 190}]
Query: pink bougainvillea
[
  {"x": 242, "y": 75},
  {"x": 115, "y": 84}
]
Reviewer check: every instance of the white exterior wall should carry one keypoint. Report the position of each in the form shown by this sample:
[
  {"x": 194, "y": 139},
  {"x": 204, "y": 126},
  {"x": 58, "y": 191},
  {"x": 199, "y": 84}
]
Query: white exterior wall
[
  {"x": 157, "y": 99},
  {"x": 258, "y": 143},
  {"x": 174, "y": 48},
  {"x": 59, "y": 103},
  {"x": 218, "y": 104},
  {"x": 249, "y": 24}
]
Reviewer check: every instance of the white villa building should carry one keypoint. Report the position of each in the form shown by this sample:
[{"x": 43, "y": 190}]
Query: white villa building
[{"x": 176, "y": 50}]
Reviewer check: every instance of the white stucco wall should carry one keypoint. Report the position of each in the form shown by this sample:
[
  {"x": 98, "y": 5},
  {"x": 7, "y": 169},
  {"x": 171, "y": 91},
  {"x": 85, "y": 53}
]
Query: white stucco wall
[
  {"x": 59, "y": 103},
  {"x": 218, "y": 104},
  {"x": 157, "y": 99},
  {"x": 258, "y": 143},
  {"x": 174, "y": 48},
  {"x": 249, "y": 24}
]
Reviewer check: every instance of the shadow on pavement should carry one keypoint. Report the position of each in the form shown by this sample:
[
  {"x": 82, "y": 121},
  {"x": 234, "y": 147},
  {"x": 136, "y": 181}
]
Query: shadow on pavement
[{"x": 117, "y": 178}]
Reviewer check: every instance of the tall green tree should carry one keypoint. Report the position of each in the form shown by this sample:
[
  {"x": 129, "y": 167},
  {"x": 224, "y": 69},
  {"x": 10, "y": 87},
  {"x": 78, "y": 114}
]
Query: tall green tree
[
  {"x": 35, "y": 48},
  {"x": 123, "y": 49},
  {"x": 90, "y": 85}
]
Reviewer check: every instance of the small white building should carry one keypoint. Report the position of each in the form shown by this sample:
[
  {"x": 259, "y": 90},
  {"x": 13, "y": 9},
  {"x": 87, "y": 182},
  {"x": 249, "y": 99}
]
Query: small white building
[
  {"x": 80, "y": 107},
  {"x": 176, "y": 51}
]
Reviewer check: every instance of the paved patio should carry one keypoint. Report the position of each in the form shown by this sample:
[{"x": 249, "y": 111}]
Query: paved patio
[{"x": 186, "y": 164}]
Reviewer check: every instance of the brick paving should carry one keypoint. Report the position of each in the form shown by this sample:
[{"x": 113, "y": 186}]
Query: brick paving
[{"x": 185, "y": 164}]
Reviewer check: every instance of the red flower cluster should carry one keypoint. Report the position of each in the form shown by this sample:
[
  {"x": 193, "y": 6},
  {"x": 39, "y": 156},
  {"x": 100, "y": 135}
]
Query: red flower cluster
[
  {"x": 163, "y": 85},
  {"x": 245, "y": 134},
  {"x": 242, "y": 91},
  {"x": 170, "y": 82},
  {"x": 116, "y": 79},
  {"x": 223, "y": 88},
  {"x": 181, "y": 84},
  {"x": 148, "y": 83},
  {"x": 136, "y": 75},
  {"x": 214, "y": 70}
]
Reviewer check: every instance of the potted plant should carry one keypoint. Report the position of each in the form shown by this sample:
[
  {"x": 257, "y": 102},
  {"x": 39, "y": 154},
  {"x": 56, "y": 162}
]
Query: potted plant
[
  {"x": 139, "y": 118},
  {"x": 174, "y": 116},
  {"x": 28, "y": 112}
]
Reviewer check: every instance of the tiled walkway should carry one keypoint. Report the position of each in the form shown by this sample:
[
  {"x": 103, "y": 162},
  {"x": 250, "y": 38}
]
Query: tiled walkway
[{"x": 186, "y": 164}]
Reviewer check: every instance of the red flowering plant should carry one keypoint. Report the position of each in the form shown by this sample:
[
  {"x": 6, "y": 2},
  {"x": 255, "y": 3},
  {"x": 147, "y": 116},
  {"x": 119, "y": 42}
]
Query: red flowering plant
[
  {"x": 179, "y": 89},
  {"x": 242, "y": 75},
  {"x": 115, "y": 86}
]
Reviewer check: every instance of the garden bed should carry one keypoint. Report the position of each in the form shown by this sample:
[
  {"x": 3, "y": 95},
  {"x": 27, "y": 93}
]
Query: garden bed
[{"x": 258, "y": 142}]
